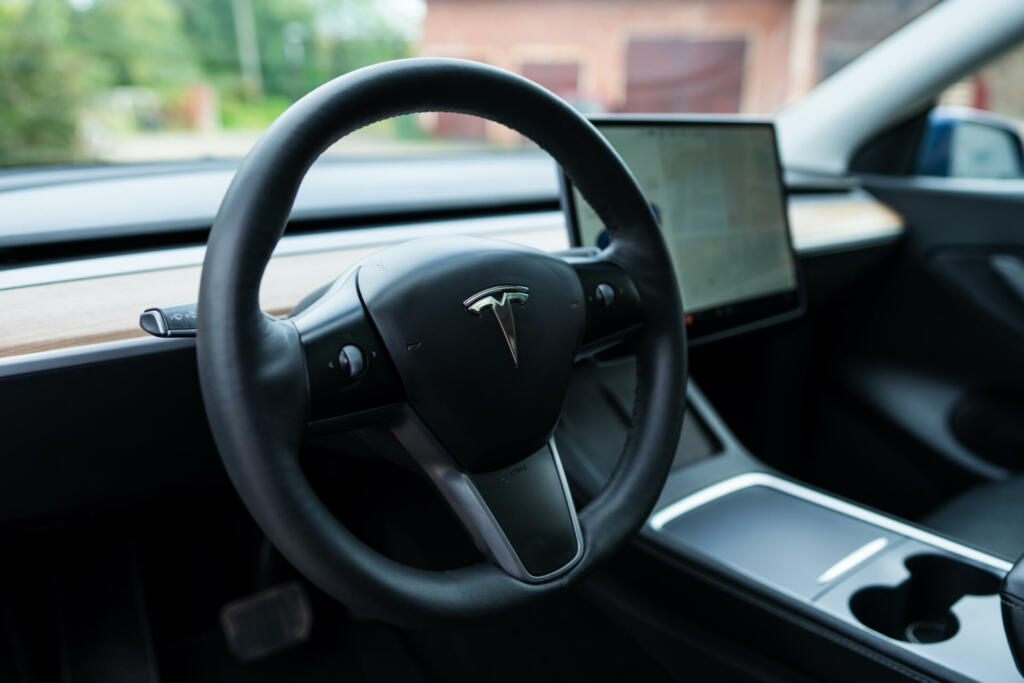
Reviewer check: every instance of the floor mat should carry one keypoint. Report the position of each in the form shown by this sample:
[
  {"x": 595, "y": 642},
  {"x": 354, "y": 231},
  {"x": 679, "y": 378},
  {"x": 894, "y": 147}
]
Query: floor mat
[{"x": 366, "y": 652}]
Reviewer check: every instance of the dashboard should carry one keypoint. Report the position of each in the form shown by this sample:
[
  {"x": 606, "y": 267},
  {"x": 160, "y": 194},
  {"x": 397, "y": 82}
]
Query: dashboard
[
  {"x": 716, "y": 188},
  {"x": 71, "y": 326},
  {"x": 70, "y": 304}
]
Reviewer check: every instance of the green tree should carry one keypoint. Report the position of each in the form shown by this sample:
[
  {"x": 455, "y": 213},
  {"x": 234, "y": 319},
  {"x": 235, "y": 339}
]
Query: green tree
[
  {"x": 301, "y": 43},
  {"x": 139, "y": 42},
  {"x": 210, "y": 29},
  {"x": 55, "y": 58},
  {"x": 41, "y": 84},
  {"x": 355, "y": 33}
]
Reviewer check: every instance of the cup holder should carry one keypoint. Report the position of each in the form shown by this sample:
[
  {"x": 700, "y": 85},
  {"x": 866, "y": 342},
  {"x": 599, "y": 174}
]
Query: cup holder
[{"x": 918, "y": 610}]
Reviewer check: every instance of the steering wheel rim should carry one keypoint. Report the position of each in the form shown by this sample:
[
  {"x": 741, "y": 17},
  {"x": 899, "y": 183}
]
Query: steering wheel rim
[{"x": 253, "y": 372}]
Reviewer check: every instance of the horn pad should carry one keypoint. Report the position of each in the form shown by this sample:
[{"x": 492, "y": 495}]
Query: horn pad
[{"x": 484, "y": 334}]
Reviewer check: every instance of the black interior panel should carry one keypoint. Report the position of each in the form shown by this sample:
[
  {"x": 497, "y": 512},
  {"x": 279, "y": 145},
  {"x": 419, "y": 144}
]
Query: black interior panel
[
  {"x": 104, "y": 435},
  {"x": 923, "y": 379}
]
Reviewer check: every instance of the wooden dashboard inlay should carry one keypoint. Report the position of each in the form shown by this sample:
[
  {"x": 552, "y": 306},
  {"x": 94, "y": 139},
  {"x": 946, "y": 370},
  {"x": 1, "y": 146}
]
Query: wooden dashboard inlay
[{"x": 106, "y": 307}]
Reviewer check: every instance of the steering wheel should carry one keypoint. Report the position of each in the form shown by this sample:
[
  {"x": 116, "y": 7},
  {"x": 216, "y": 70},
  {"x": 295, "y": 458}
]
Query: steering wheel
[{"x": 461, "y": 346}]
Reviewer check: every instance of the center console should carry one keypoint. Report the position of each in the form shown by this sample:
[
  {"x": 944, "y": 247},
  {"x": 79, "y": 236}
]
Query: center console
[
  {"x": 920, "y": 598},
  {"x": 934, "y": 598}
]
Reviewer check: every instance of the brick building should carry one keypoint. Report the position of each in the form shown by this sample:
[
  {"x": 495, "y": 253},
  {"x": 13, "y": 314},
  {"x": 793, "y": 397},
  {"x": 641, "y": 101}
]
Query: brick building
[{"x": 658, "y": 55}]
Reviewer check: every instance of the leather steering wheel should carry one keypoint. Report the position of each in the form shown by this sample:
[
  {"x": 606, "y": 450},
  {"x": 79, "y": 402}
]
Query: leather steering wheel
[{"x": 461, "y": 346}]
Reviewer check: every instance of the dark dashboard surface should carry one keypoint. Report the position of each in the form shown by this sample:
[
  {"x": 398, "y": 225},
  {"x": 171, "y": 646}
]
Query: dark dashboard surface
[
  {"x": 109, "y": 425},
  {"x": 76, "y": 204},
  {"x": 122, "y": 423}
]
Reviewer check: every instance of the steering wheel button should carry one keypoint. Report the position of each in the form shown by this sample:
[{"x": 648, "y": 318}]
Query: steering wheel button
[
  {"x": 604, "y": 293},
  {"x": 351, "y": 360}
]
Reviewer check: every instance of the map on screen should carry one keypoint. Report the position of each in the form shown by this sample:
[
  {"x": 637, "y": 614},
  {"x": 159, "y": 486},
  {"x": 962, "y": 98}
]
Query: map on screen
[{"x": 717, "y": 193}]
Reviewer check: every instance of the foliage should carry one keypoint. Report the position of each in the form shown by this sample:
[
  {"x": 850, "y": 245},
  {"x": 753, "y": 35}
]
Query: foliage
[
  {"x": 237, "y": 112},
  {"x": 61, "y": 61},
  {"x": 40, "y": 85},
  {"x": 141, "y": 43}
]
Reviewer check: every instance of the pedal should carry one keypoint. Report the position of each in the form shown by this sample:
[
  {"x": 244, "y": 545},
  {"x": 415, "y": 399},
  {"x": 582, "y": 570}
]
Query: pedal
[{"x": 263, "y": 623}]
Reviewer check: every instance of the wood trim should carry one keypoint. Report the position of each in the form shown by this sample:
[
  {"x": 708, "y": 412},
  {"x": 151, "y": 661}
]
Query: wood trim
[
  {"x": 67, "y": 314},
  {"x": 100, "y": 309},
  {"x": 823, "y": 223}
]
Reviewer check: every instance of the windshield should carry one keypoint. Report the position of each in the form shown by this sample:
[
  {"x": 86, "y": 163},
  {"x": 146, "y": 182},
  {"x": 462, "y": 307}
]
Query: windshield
[{"x": 85, "y": 81}]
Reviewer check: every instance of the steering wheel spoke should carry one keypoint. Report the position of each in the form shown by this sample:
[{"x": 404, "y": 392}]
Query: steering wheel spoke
[
  {"x": 613, "y": 306},
  {"x": 348, "y": 370},
  {"x": 521, "y": 516}
]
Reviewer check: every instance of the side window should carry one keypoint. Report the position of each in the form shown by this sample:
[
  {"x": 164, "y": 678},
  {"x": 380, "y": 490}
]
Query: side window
[{"x": 995, "y": 88}]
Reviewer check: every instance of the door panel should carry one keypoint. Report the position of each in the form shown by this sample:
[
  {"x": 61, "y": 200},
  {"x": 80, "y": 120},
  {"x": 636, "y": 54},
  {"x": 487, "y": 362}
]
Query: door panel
[{"x": 925, "y": 371}]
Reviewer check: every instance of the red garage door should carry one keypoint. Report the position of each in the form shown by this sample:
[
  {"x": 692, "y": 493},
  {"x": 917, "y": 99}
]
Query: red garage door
[
  {"x": 562, "y": 79},
  {"x": 460, "y": 126},
  {"x": 678, "y": 75}
]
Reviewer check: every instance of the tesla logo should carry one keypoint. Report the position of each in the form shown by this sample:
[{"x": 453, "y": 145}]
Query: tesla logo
[{"x": 499, "y": 300}]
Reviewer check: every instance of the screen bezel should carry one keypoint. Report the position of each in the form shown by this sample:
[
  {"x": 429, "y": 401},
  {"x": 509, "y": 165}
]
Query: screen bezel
[{"x": 729, "y": 319}]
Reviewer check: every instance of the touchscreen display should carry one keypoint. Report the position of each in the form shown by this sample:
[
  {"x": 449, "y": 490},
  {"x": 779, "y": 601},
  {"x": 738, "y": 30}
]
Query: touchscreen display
[{"x": 717, "y": 192}]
